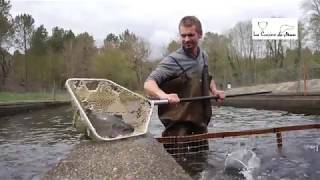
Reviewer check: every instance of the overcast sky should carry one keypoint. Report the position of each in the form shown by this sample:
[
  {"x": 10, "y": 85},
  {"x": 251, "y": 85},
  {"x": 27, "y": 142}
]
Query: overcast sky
[{"x": 155, "y": 21}]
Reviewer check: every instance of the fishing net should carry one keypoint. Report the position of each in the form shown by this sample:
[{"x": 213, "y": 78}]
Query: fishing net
[
  {"x": 277, "y": 136},
  {"x": 289, "y": 152},
  {"x": 105, "y": 111}
]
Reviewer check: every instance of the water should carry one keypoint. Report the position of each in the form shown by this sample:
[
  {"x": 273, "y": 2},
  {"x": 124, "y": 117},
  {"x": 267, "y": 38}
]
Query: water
[
  {"x": 33, "y": 143},
  {"x": 299, "y": 158}
]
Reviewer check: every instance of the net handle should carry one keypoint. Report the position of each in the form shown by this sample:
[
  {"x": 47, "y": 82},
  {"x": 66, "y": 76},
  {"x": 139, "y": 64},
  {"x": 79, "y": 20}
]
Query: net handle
[{"x": 200, "y": 98}]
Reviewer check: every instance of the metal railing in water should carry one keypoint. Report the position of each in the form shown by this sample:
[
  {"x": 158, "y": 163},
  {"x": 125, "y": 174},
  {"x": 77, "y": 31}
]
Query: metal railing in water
[{"x": 177, "y": 145}]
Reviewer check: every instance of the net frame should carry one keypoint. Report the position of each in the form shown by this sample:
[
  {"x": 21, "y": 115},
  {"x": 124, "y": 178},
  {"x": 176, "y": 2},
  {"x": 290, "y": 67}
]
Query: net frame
[{"x": 88, "y": 128}]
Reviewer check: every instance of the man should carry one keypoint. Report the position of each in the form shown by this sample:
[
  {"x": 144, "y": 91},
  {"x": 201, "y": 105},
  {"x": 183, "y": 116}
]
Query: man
[{"x": 184, "y": 73}]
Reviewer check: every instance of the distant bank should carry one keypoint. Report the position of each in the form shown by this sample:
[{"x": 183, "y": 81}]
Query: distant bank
[
  {"x": 295, "y": 97},
  {"x": 13, "y": 108},
  {"x": 288, "y": 96}
]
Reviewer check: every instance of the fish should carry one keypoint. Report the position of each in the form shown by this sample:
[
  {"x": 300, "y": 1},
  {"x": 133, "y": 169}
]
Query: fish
[
  {"x": 243, "y": 162},
  {"x": 107, "y": 125}
]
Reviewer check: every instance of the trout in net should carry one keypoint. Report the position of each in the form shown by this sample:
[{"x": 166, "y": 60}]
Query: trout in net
[{"x": 107, "y": 125}]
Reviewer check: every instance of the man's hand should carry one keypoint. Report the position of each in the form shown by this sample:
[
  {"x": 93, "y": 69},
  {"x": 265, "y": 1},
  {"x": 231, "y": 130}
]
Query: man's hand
[
  {"x": 220, "y": 94},
  {"x": 152, "y": 89},
  {"x": 172, "y": 98}
]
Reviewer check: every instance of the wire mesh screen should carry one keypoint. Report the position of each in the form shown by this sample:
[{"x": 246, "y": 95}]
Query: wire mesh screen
[
  {"x": 105, "y": 110},
  {"x": 291, "y": 152},
  {"x": 188, "y": 147},
  {"x": 277, "y": 137}
]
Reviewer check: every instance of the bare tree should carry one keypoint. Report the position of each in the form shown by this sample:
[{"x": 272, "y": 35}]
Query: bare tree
[
  {"x": 244, "y": 50},
  {"x": 24, "y": 27},
  {"x": 84, "y": 49},
  {"x": 137, "y": 51},
  {"x": 6, "y": 33},
  {"x": 275, "y": 52},
  {"x": 312, "y": 14}
]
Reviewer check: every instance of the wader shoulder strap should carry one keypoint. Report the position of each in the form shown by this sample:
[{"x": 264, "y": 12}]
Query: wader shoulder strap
[
  {"x": 206, "y": 79},
  {"x": 183, "y": 70},
  {"x": 175, "y": 60},
  {"x": 205, "y": 59}
]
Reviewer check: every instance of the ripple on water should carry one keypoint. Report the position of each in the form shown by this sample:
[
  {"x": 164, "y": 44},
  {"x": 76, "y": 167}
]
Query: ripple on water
[
  {"x": 299, "y": 158},
  {"x": 32, "y": 144}
]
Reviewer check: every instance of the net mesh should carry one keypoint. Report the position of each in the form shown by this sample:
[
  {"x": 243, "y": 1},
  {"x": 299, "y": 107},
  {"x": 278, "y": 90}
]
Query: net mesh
[
  {"x": 180, "y": 146},
  {"x": 112, "y": 110}
]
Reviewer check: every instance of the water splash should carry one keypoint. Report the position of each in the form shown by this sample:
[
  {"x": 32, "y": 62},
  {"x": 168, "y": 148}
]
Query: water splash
[{"x": 242, "y": 162}]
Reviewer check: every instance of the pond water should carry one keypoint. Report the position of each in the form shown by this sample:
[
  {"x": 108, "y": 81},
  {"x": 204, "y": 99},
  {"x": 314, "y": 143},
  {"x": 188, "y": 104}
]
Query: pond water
[
  {"x": 32, "y": 143},
  {"x": 299, "y": 158}
]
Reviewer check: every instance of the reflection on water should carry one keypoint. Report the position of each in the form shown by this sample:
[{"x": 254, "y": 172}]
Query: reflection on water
[
  {"x": 299, "y": 158},
  {"x": 33, "y": 143}
]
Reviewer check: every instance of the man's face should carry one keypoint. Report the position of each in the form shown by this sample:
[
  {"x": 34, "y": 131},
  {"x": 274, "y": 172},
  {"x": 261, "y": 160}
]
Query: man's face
[{"x": 189, "y": 37}]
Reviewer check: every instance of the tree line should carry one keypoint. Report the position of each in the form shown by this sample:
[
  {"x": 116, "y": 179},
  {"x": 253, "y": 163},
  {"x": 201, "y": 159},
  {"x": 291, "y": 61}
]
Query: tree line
[
  {"x": 234, "y": 57},
  {"x": 39, "y": 61}
]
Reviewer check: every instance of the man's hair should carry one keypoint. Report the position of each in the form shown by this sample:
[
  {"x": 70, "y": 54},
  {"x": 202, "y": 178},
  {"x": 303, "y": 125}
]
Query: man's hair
[{"x": 189, "y": 21}]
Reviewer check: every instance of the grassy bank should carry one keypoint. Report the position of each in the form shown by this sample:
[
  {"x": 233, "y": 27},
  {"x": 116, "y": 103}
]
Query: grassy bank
[{"x": 31, "y": 96}]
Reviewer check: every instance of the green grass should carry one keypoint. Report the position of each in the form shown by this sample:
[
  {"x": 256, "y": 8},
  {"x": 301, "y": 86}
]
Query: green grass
[{"x": 31, "y": 96}]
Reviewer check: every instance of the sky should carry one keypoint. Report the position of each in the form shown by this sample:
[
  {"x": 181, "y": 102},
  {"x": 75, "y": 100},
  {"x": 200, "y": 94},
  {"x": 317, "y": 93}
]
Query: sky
[{"x": 154, "y": 21}]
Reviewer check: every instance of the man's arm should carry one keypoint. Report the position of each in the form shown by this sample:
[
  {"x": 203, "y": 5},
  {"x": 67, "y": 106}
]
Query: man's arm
[
  {"x": 166, "y": 68},
  {"x": 215, "y": 92},
  {"x": 152, "y": 89}
]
